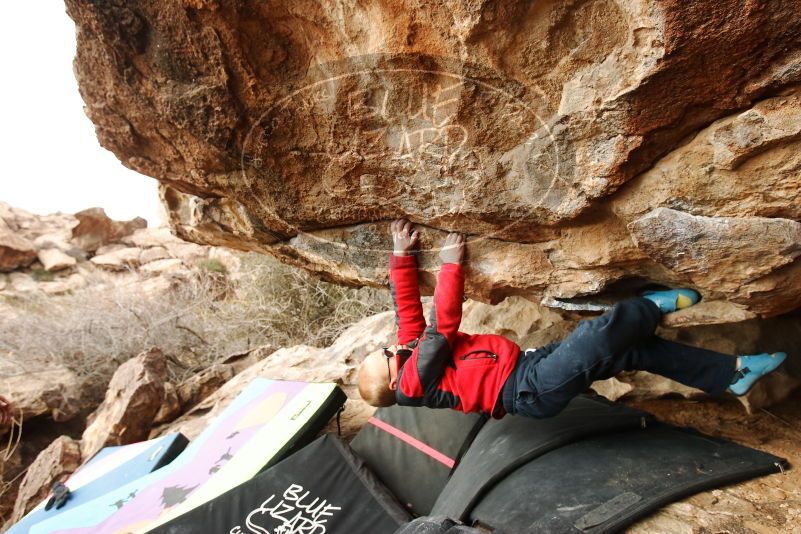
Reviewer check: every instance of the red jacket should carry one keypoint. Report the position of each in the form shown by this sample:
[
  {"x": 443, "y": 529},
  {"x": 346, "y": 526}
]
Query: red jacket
[{"x": 447, "y": 368}]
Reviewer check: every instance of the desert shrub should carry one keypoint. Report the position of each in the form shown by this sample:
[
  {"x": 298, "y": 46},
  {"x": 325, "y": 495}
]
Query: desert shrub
[
  {"x": 94, "y": 330},
  {"x": 41, "y": 275},
  {"x": 211, "y": 265}
]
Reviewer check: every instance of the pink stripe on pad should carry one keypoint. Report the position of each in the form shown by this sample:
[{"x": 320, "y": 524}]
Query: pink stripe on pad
[{"x": 416, "y": 443}]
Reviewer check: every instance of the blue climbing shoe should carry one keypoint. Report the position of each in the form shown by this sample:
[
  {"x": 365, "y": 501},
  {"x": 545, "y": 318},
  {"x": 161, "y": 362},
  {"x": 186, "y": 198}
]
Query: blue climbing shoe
[
  {"x": 671, "y": 300},
  {"x": 752, "y": 368}
]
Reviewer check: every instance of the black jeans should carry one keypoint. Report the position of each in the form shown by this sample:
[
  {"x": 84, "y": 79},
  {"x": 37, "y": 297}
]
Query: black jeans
[{"x": 622, "y": 339}]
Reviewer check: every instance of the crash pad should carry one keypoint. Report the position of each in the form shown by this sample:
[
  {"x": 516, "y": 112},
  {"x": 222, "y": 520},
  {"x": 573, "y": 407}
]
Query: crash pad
[
  {"x": 503, "y": 445},
  {"x": 324, "y": 488},
  {"x": 436, "y": 525},
  {"x": 413, "y": 450},
  {"x": 110, "y": 468},
  {"x": 265, "y": 422},
  {"x": 604, "y": 483}
]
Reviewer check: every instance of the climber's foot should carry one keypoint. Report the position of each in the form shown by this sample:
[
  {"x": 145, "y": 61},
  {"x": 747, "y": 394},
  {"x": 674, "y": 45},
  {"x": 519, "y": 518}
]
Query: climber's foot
[
  {"x": 671, "y": 300},
  {"x": 752, "y": 368}
]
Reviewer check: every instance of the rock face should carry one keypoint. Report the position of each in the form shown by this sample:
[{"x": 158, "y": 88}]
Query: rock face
[
  {"x": 133, "y": 399},
  {"x": 55, "y": 463},
  {"x": 556, "y": 134},
  {"x": 55, "y": 391}
]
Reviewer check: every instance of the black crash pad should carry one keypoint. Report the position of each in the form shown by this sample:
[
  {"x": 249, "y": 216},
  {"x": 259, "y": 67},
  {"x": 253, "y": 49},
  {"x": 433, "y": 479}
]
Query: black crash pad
[
  {"x": 436, "y": 525},
  {"x": 604, "y": 483},
  {"x": 413, "y": 450},
  {"x": 502, "y": 446},
  {"x": 324, "y": 487}
]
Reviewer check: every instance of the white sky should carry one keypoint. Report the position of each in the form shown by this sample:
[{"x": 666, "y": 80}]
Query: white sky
[{"x": 51, "y": 159}]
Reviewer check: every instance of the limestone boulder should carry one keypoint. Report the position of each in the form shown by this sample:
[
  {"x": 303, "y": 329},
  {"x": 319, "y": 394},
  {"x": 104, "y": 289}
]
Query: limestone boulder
[
  {"x": 22, "y": 282},
  {"x": 55, "y": 392},
  {"x": 107, "y": 249},
  {"x": 547, "y": 131},
  {"x": 15, "y": 251},
  {"x": 61, "y": 286},
  {"x": 153, "y": 254},
  {"x": 96, "y": 229},
  {"x": 612, "y": 388},
  {"x": 527, "y": 323},
  {"x": 119, "y": 259},
  {"x": 772, "y": 389},
  {"x": 162, "y": 266},
  {"x": 53, "y": 464},
  {"x": 694, "y": 246},
  {"x": 188, "y": 252},
  {"x": 58, "y": 239},
  {"x": 53, "y": 259},
  {"x": 203, "y": 384},
  {"x": 171, "y": 407},
  {"x": 150, "y": 237},
  {"x": 242, "y": 360},
  {"x": 132, "y": 401}
]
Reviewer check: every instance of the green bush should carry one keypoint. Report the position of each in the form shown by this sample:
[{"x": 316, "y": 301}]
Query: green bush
[
  {"x": 211, "y": 265},
  {"x": 41, "y": 275}
]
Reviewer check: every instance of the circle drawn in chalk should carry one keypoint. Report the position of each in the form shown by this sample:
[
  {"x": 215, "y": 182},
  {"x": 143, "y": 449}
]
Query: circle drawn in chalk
[{"x": 353, "y": 128}]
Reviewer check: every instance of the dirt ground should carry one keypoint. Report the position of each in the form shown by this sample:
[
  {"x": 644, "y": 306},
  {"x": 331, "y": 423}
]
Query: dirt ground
[{"x": 770, "y": 504}]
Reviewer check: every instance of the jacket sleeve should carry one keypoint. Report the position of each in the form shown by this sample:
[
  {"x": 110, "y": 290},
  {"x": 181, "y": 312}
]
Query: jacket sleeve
[
  {"x": 446, "y": 315},
  {"x": 406, "y": 298},
  {"x": 434, "y": 352}
]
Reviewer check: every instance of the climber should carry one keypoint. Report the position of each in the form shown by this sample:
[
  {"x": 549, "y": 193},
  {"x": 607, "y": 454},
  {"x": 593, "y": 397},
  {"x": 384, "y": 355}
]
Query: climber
[{"x": 439, "y": 367}]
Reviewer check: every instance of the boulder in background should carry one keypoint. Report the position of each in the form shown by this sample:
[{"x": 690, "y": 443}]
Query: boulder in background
[
  {"x": 133, "y": 399},
  {"x": 96, "y": 229}
]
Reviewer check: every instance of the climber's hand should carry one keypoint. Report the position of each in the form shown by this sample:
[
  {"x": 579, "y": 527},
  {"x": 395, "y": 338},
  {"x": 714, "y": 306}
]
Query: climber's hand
[
  {"x": 404, "y": 237},
  {"x": 453, "y": 248}
]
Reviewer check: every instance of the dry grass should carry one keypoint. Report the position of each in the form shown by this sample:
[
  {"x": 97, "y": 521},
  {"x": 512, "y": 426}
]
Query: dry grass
[{"x": 207, "y": 316}]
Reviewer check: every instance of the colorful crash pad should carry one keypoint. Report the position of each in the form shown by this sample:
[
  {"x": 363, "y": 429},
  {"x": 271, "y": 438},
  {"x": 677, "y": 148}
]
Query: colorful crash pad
[
  {"x": 110, "y": 468},
  {"x": 414, "y": 450},
  {"x": 324, "y": 488},
  {"x": 267, "y": 421}
]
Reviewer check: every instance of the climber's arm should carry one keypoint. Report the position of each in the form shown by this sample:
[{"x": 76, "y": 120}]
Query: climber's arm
[
  {"x": 446, "y": 316},
  {"x": 403, "y": 283}
]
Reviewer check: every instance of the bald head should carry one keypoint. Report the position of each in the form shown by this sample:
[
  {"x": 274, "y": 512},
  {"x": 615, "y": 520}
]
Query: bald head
[{"x": 374, "y": 382}]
